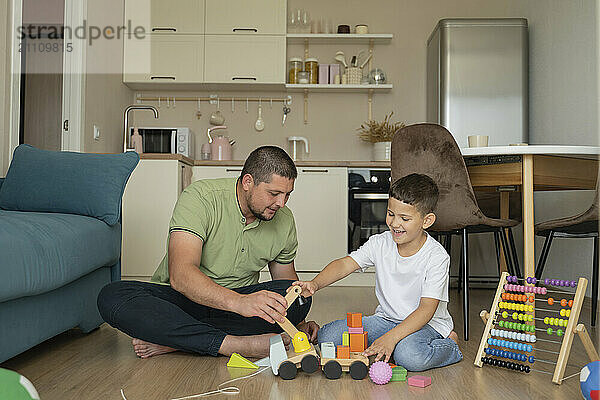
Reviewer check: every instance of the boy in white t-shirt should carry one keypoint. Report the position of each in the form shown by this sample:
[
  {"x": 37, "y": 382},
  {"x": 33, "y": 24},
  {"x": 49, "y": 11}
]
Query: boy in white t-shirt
[{"x": 412, "y": 322}]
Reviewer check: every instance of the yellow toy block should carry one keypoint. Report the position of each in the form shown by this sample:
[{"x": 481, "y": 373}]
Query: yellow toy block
[
  {"x": 345, "y": 339},
  {"x": 237, "y": 361}
]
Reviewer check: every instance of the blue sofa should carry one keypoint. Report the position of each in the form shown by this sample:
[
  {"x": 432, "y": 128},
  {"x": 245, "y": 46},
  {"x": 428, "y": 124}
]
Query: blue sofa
[{"x": 60, "y": 242}]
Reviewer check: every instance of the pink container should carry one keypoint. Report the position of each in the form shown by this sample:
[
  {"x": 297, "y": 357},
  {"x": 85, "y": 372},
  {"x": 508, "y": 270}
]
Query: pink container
[{"x": 323, "y": 74}]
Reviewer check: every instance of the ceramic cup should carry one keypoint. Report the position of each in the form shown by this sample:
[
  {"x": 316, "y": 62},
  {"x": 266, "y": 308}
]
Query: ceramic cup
[
  {"x": 362, "y": 29},
  {"x": 478, "y": 140},
  {"x": 216, "y": 118}
]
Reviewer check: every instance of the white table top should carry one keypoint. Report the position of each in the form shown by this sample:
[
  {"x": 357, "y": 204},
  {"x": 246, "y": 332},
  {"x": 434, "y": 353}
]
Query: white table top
[{"x": 532, "y": 149}]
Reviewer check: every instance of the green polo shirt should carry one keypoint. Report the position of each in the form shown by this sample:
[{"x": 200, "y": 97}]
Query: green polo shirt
[{"x": 233, "y": 253}]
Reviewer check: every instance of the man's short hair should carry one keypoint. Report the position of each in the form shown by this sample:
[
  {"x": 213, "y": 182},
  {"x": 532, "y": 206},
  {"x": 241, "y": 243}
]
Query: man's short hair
[
  {"x": 265, "y": 161},
  {"x": 417, "y": 190}
]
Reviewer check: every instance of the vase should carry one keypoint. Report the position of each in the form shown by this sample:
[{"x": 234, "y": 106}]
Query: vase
[{"x": 382, "y": 151}]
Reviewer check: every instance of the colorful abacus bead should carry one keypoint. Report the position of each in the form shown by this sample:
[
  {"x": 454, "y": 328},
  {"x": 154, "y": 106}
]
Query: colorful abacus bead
[
  {"x": 546, "y": 281},
  {"x": 559, "y": 332},
  {"x": 563, "y": 302},
  {"x": 532, "y": 298},
  {"x": 549, "y": 331},
  {"x": 550, "y": 301},
  {"x": 573, "y": 284}
]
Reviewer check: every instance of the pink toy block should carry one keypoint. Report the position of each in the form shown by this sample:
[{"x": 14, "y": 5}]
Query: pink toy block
[
  {"x": 355, "y": 330},
  {"x": 419, "y": 381}
]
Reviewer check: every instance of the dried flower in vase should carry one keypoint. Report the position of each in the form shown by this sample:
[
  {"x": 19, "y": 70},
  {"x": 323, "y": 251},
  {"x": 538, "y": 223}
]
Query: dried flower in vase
[{"x": 374, "y": 132}]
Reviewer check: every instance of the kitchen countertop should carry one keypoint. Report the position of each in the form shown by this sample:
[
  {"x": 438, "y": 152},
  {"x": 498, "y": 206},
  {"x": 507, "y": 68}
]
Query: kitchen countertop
[{"x": 240, "y": 163}]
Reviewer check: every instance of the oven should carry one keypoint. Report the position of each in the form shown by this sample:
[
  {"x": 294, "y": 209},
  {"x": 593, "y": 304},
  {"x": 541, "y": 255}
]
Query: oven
[{"x": 367, "y": 204}]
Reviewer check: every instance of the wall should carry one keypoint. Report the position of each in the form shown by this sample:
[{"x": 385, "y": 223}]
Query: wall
[
  {"x": 105, "y": 94},
  {"x": 4, "y": 85}
]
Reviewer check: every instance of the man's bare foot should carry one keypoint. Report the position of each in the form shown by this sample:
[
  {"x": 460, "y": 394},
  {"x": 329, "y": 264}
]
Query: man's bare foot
[
  {"x": 256, "y": 346},
  {"x": 146, "y": 349},
  {"x": 453, "y": 336}
]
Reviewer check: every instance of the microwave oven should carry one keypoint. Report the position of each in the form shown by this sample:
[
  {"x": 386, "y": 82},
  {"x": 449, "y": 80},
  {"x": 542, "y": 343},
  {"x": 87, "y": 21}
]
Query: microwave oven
[{"x": 166, "y": 140}]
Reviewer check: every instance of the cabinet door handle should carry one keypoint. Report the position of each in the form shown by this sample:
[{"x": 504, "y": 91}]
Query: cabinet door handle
[
  {"x": 316, "y": 170},
  {"x": 163, "y": 77},
  {"x": 164, "y": 29},
  {"x": 245, "y": 30},
  {"x": 233, "y": 170},
  {"x": 243, "y": 78}
]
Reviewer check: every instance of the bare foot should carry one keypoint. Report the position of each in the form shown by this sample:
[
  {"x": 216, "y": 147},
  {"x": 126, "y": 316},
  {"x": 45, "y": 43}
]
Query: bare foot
[
  {"x": 256, "y": 346},
  {"x": 146, "y": 349},
  {"x": 453, "y": 336}
]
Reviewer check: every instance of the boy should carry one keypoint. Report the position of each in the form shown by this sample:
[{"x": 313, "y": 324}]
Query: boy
[{"x": 412, "y": 322}]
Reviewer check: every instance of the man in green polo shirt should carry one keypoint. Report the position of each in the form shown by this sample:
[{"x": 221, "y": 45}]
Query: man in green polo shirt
[{"x": 205, "y": 296}]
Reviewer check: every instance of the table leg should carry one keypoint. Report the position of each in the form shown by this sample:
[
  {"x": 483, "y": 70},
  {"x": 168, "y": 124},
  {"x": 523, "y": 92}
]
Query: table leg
[
  {"x": 528, "y": 221},
  {"x": 504, "y": 214}
]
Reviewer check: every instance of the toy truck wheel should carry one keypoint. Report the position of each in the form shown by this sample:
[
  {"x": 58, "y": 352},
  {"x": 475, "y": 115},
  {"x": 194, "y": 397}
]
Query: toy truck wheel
[
  {"x": 287, "y": 370},
  {"x": 358, "y": 370},
  {"x": 332, "y": 369},
  {"x": 309, "y": 364}
]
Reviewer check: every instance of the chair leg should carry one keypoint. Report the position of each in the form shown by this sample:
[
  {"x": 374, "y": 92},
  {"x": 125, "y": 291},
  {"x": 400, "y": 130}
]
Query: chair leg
[
  {"x": 545, "y": 250},
  {"x": 507, "y": 255},
  {"x": 515, "y": 257},
  {"x": 595, "y": 282},
  {"x": 465, "y": 282},
  {"x": 497, "y": 245},
  {"x": 460, "y": 267}
]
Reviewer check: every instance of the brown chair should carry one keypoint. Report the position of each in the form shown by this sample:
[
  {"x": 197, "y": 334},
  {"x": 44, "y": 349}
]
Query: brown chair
[
  {"x": 584, "y": 225},
  {"x": 431, "y": 150}
]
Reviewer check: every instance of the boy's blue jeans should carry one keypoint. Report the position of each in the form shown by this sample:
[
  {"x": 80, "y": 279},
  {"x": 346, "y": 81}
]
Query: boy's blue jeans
[{"x": 419, "y": 351}]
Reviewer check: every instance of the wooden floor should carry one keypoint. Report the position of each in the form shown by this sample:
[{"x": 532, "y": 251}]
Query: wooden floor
[{"x": 99, "y": 364}]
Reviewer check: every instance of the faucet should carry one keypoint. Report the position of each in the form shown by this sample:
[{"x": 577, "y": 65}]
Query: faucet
[{"x": 126, "y": 119}]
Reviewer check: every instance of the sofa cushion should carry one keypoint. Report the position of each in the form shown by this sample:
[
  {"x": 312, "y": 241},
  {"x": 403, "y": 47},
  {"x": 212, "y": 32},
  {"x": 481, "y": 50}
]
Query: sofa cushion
[
  {"x": 66, "y": 182},
  {"x": 43, "y": 251}
]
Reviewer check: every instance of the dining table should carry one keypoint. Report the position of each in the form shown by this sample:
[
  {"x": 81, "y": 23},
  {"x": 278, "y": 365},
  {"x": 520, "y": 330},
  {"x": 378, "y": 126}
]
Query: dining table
[{"x": 530, "y": 168}]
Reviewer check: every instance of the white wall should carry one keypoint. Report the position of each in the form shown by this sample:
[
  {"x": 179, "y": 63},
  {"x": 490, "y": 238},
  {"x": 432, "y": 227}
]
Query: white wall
[{"x": 4, "y": 84}]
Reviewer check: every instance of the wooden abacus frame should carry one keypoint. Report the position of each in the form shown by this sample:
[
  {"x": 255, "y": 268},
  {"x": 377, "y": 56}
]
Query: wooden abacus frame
[{"x": 573, "y": 327}]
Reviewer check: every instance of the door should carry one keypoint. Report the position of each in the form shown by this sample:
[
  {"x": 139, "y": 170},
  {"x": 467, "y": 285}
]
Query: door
[
  {"x": 42, "y": 74},
  {"x": 262, "y": 17},
  {"x": 182, "y": 16}
]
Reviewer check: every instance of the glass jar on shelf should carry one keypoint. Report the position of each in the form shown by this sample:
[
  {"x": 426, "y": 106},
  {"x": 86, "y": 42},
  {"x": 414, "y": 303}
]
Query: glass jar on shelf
[
  {"x": 295, "y": 67},
  {"x": 311, "y": 65}
]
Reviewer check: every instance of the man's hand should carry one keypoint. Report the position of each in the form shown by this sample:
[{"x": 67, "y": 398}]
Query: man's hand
[
  {"x": 383, "y": 347},
  {"x": 265, "y": 304},
  {"x": 310, "y": 328},
  {"x": 308, "y": 287}
]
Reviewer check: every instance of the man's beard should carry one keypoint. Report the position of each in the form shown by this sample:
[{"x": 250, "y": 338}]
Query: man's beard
[{"x": 257, "y": 214}]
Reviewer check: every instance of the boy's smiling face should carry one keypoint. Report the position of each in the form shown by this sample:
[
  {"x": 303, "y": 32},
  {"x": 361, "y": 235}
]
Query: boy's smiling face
[{"x": 406, "y": 224}]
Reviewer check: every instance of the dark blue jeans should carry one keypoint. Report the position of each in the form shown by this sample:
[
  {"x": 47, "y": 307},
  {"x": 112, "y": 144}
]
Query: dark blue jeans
[{"x": 161, "y": 315}]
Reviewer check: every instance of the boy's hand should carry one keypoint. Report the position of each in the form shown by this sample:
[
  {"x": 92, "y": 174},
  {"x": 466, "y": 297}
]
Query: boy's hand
[
  {"x": 310, "y": 328},
  {"x": 383, "y": 347},
  {"x": 308, "y": 288}
]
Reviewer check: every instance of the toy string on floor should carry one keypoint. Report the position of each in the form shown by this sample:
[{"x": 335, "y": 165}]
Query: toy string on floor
[{"x": 227, "y": 390}]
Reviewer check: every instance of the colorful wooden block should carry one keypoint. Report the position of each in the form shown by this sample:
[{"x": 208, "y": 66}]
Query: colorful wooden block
[
  {"x": 358, "y": 342},
  {"x": 343, "y": 352},
  {"x": 419, "y": 381},
  {"x": 355, "y": 330},
  {"x": 354, "y": 320},
  {"x": 327, "y": 350},
  {"x": 345, "y": 339}
]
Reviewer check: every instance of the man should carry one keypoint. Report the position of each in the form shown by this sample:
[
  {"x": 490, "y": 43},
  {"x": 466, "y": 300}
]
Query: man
[{"x": 206, "y": 298}]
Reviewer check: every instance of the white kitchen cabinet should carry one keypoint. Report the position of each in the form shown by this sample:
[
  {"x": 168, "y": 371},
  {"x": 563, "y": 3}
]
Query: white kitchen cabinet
[
  {"x": 215, "y": 172},
  {"x": 244, "y": 59},
  {"x": 320, "y": 206},
  {"x": 181, "y": 16},
  {"x": 164, "y": 58},
  {"x": 148, "y": 202},
  {"x": 267, "y": 17}
]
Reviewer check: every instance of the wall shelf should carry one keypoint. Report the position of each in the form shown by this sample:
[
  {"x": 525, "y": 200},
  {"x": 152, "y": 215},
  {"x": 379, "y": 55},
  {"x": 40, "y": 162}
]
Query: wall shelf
[
  {"x": 337, "y": 38},
  {"x": 337, "y": 88}
]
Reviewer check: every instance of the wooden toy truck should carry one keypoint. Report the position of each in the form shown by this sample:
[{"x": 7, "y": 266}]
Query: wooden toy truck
[
  {"x": 301, "y": 354},
  {"x": 357, "y": 365}
]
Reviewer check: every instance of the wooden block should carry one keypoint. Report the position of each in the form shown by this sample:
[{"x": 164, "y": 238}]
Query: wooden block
[
  {"x": 355, "y": 330},
  {"x": 419, "y": 381},
  {"x": 327, "y": 350},
  {"x": 354, "y": 320},
  {"x": 345, "y": 339},
  {"x": 343, "y": 352},
  {"x": 358, "y": 341}
]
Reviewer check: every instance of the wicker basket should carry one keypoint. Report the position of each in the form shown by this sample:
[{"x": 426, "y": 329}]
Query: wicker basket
[{"x": 354, "y": 75}]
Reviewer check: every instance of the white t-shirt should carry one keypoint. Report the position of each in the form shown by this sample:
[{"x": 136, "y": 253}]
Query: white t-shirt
[{"x": 400, "y": 282}]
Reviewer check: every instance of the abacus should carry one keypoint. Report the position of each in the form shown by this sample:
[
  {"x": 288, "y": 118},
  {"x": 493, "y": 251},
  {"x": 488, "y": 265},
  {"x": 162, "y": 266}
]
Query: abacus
[{"x": 513, "y": 317}]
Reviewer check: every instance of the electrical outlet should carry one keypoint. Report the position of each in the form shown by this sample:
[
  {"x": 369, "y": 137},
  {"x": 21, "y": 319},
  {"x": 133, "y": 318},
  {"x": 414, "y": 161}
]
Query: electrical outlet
[{"x": 96, "y": 133}]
